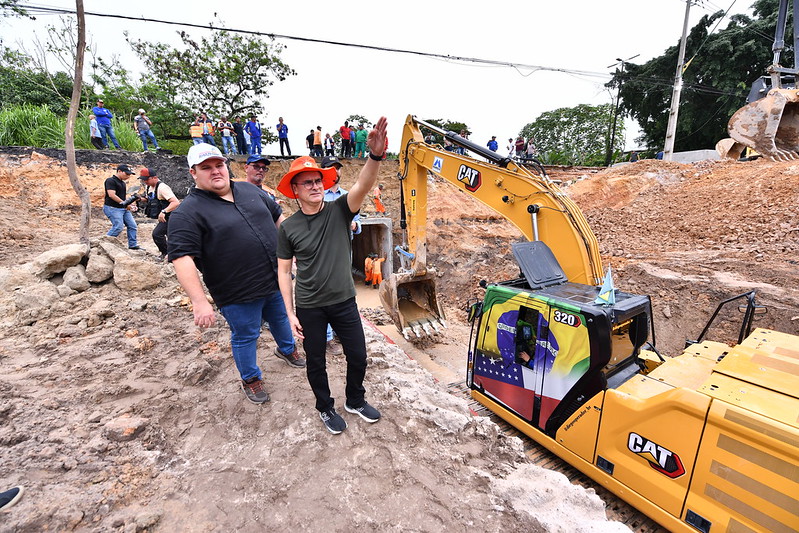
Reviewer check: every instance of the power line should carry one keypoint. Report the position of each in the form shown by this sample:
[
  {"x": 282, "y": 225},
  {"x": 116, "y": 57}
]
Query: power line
[
  {"x": 519, "y": 67},
  {"x": 45, "y": 9}
]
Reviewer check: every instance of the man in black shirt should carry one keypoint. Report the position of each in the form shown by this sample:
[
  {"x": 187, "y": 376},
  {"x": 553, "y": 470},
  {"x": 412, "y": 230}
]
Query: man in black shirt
[
  {"x": 115, "y": 207},
  {"x": 228, "y": 230}
]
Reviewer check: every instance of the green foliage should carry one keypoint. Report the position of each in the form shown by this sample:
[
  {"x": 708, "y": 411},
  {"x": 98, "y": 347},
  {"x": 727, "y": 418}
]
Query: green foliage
[
  {"x": 29, "y": 125},
  {"x": 356, "y": 120},
  {"x": 715, "y": 83},
  {"x": 574, "y": 135},
  {"x": 448, "y": 125},
  {"x": 19, "y": 86},
  {"x": 226, "y": 74},
  {"x": 11, "y": 8}
]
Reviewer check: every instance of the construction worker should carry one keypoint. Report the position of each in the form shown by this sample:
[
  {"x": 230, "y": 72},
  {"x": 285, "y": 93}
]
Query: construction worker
[
  {"x": 377, "y": 271},
  {"x": 367, "y": 269},
  {"x": 379, "y": 207}
]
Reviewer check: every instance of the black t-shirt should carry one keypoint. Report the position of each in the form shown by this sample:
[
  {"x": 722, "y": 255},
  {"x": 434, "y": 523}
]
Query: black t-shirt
[
  {"x": 118, "y": 186},
  {"x": 233, "y": 243},
  {"x": 309, "y": 139}
]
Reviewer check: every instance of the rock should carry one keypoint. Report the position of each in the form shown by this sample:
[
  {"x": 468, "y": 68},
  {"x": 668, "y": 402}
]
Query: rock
[
  {"x": 667, "y": 311},
  {"x": 99, "y": 311},
  {"x": 137, "y": 304},
  {"x": 134, "y": 274},
  {"x": 75, "y": 278},
  {"x": 14, "y": 278},
  {"x": 69, "y": 330},
  {"x": 111, "y": 247},
  {"x": 58, "y": 259},
  {"x": 64, "y": 291},
  {"x": 99, "y": 268},
  {"x": 125, "y": 428},
  {"x": 37, "y": 296}
]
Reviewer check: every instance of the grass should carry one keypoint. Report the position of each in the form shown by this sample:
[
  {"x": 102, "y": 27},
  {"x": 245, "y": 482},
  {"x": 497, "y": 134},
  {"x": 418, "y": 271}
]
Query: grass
[{"x": 28, "y": 125}]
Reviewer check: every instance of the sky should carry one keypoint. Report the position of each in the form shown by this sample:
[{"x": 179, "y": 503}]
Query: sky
[{"x": 583, "y": 37}]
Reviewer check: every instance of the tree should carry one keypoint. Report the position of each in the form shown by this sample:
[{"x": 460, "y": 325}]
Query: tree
[
  {"x": 574, "y": 135},
  {"x": 11, "y": 8},
  {"x": 226, "y": 74},
  {"x": 69, "y": 133},
  {"x": 448, "y": 125},
  {"x": 356, "y": 120},
  {"x": 715, "y": 82}
]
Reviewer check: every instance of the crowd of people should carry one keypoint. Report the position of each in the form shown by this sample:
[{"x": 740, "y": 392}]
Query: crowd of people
[
  {"x": 293, "y": 273},
  {"x": 239, "y": 137}
]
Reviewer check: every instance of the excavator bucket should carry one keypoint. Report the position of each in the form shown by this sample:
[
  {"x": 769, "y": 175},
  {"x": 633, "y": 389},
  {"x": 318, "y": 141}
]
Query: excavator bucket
[
  {"x": 770, "y": 126},
  {"x": 411, "y": 302}
]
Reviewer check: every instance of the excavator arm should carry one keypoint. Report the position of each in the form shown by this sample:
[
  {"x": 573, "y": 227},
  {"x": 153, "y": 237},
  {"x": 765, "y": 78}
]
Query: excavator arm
[{"x": 531, "y": 201}]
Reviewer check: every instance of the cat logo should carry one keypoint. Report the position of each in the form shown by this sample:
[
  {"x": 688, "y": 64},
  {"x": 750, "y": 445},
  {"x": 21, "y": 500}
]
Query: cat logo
[
  {"x": 470, "y": 177},
  {"x": 663, "y": 460}
]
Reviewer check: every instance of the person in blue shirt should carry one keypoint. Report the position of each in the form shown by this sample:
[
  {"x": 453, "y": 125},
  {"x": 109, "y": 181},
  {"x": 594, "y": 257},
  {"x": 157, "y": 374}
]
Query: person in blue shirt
[
  {"x": 283, "y": 136},
  {"x": 104, "y": 117},
  {"x": 253, "y": 128},
  {"x": 334, "y": 192},
  {"x": 492, "y": 144}
]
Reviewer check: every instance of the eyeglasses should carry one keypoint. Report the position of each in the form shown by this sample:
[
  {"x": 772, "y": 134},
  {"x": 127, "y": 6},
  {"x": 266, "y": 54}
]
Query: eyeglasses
[
  {"x": 260, "y": 167},
  {"x": 310, "y": 184}
]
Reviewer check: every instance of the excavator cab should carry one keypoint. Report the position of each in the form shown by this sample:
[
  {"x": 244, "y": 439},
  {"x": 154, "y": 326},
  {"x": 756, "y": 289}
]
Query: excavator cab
[{"x": 543, "y": 347}]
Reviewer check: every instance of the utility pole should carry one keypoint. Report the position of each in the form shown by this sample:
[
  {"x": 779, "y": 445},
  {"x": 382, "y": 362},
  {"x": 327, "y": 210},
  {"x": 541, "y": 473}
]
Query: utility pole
[
  {"x": 612, "y": 132},
  {"x": 671, "y": 129}
]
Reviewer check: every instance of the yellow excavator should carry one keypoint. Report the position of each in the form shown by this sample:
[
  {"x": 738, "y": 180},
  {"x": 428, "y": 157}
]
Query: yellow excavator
[
  {"x": 769, "y": 123},
  {"x": 705, "y": 441}
]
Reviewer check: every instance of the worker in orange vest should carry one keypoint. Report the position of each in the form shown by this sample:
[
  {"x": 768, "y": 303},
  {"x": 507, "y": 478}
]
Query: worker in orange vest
[
  {"x": 377, "y": 271},
  {"x": 367, "y": 269},
  {"x": 379, "y": 207}
]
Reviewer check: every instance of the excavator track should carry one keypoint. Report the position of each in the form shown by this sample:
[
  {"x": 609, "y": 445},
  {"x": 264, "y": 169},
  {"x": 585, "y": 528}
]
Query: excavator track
[{"x": 616, "y": 508}]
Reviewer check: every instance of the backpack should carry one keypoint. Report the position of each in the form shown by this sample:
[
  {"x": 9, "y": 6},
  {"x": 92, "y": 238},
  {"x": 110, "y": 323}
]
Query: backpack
[{"x": 154, "y": 205}]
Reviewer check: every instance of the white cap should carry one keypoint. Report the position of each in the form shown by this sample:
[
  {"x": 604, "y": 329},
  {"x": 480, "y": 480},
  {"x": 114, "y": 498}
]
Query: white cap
[
  {"x": 141, "y": 111},
  {"x": 200, "y": 152}
]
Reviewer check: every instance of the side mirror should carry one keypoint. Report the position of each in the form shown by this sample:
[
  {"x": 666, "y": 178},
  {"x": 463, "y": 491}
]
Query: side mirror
[
  {"x": 758, "y": 309},
  {"x": 475, "y": 310}
]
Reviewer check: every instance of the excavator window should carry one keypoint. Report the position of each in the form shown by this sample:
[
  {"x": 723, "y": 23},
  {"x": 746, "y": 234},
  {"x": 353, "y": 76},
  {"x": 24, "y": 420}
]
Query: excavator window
[
  {"x": 626, "y": 339},
  {"x": 526, "y": 336}
]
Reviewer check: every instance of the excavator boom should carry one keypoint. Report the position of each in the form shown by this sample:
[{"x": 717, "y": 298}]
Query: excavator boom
[{"x": 530, "y": 201}]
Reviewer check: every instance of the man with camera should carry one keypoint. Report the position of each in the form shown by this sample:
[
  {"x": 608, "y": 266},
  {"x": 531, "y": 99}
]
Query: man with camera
[
  {"x": 116, "y": 209},
  {"x": 160, "y": 202}
]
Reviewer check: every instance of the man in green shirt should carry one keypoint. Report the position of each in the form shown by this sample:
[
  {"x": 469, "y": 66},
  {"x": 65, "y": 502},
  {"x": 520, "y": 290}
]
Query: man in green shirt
[
  {"x": 360, "y": 141},
  {"x": 318, "y": 237}
]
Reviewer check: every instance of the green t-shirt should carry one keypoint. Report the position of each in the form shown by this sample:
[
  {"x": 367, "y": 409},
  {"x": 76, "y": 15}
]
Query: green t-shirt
[
  {"x": 361, "y": 136},
  {"x": 321, "y": 243}
]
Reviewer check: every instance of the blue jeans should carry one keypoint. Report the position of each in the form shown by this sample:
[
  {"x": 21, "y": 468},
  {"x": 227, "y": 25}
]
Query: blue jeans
[
  {"x": 119, "y": 217},
  {"x": 107, "y": 132},
  {"x": 144, "y": 135},
  {"x": 255, "y": 145},
  {"x": 197, "y": 140},
  {"x": 245, "y": 328},
  {"x": 227, "y": 145},
  {"x": 209, "y": 139}
]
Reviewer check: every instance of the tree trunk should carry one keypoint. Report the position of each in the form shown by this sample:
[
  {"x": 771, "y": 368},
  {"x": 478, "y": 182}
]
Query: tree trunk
[{"x": 69, "y": 134}]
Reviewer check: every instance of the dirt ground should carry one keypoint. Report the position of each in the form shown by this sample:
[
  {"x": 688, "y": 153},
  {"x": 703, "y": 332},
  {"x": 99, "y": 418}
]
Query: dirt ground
[{"x": 136, "y": 423}]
